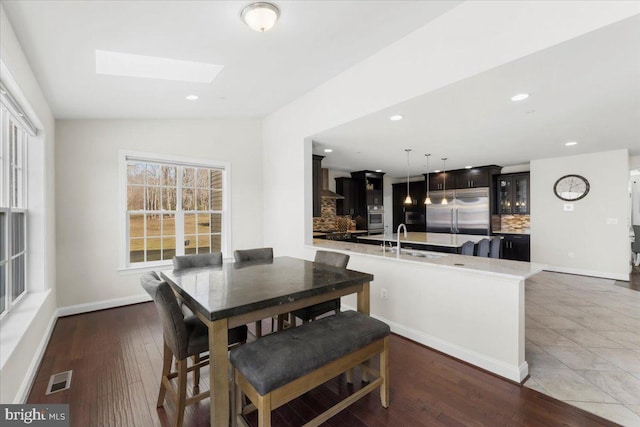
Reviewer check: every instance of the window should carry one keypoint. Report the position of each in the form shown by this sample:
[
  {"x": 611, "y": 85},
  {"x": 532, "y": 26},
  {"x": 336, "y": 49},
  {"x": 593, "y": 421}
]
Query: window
[
  {"x": 173, "y": 208},
  {"x": 13, "y": 209}
]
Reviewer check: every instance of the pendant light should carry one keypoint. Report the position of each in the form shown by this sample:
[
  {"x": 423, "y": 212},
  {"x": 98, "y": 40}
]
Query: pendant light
[
  {"x": 444, "y": 181},
  {"x": 408, "y": 200},
  {"x": 427, "y": 201}
]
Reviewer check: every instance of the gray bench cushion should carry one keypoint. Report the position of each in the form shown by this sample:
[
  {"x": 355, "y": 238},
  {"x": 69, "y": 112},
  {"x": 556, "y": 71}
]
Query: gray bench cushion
[{"x": 278, "y": 359}]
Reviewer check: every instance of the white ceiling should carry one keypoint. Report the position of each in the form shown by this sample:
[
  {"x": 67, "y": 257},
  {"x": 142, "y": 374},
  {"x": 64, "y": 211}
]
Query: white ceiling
[
  {"x": 585, "y": 90},
  {"x": 312, "y": 42}
]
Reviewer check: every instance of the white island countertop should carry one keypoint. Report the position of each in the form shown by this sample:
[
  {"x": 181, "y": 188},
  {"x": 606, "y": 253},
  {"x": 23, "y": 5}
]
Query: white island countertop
[
  {"x": 488, "y": 266},
  {"x": 434, "y": 239}
]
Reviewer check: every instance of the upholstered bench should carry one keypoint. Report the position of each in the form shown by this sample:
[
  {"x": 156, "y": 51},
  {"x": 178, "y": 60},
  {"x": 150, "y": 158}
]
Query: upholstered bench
[{"x": 278, "y": 368}]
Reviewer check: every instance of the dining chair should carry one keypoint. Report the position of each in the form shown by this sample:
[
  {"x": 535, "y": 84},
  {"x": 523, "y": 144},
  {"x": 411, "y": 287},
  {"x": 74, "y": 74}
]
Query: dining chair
[
  {"x": 185, "y": 262},
  {"x": 182, "y": 262},
  {"x": 334, "y": 259},
  {"x": 494, "y": 247},
  {"x": 183, "y": 338},
  {"x": 258, "y": 254},
  {"x": 483, "y": 248},
  {"x": 467, "y": 248}
]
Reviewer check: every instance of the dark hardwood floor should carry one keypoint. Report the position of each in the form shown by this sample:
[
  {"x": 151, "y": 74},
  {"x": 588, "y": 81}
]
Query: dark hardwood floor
[
  {"x": 116, "y": 360},
  {"x": 634, "y": 279}
]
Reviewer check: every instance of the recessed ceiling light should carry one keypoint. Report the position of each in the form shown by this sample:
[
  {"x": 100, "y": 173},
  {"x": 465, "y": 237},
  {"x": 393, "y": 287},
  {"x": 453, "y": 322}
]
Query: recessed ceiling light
[
  {"x": 437, "y": 170},
  {"x": 520, "y": 97},
  {"x": 378, "y": 170},
  {"x": 152, "y": 67},
  {"x": 396, "y": 118},
  {"x": 468, "y": 167},
  {"x": 191, "y": 97},
  {"x": 570, "y": 143},
  {"x": 328, "y": 150}
]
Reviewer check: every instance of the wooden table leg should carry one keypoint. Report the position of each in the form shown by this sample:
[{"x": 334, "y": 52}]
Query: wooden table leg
[
  {"x": 219, "y": 372},
  {"x": 364, "y": 299}
]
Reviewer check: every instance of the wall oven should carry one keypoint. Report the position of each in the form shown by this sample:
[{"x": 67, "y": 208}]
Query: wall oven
[{"x": 375, "y": 219}]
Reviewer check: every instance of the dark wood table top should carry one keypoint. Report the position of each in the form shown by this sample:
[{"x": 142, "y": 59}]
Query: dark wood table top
[{"x": 233, "y": 289}]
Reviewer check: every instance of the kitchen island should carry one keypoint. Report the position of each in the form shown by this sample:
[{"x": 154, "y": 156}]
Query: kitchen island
[
  {"x": 441, "y": 242},
  {"x": 469, "y": 307}
]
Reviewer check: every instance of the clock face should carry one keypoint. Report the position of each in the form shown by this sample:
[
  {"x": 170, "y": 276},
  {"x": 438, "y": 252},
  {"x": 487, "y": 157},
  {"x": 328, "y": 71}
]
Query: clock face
[{"x": 571, "y": 187}]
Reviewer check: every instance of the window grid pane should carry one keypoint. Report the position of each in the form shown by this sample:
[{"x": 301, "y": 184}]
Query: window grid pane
[{"x": 152, "y": 204}]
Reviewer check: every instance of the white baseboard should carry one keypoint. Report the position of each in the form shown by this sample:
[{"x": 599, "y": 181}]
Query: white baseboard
[
  {"x": 512, "y": 372},
  {"x": 102, "y": 305},
  {"x": 591, "y": 273},
  {"x": 25, "y": 388}
]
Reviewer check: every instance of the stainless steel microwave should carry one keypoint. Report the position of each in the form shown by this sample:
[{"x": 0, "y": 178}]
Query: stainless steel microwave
[{"x": 412, "y": 217}]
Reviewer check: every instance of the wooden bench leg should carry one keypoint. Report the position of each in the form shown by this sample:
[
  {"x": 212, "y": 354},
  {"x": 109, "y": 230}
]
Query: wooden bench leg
[
  {"x": 384, "y": 374},
  {"x": 264, "y": 410},
  {"x": 259, "y": 329},
  {"x": 236, "y": 399}
]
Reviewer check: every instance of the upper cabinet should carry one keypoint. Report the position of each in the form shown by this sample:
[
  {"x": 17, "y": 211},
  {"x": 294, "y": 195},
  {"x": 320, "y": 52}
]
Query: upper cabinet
[
  {"x": 513, "y": 194},
  {"x": 317, "y": 185},
  {"x": 441, "y": 181},
  {"x": 462, "y": 178}
]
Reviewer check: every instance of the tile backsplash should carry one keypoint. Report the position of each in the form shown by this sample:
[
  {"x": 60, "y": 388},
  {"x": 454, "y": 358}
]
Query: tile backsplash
[
  {"x": 514, "y": 222},
  {"x": 328, "y": 221}
]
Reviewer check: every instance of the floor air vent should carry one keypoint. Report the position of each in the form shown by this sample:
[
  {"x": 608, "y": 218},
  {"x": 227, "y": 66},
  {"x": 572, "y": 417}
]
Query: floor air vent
[{"x": 59, "y": 382}]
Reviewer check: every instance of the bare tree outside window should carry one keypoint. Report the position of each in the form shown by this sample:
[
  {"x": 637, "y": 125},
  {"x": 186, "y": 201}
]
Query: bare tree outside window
[{"x": 172, "y": 209}]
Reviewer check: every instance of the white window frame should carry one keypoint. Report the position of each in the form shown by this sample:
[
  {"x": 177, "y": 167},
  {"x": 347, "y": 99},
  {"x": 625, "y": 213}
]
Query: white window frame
[
  {"x": 10, "y": 202},
  {"x": 226, "y": 238}
]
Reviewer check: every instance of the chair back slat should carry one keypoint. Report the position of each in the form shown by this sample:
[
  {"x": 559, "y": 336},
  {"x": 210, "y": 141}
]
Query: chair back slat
[{"x": 182, "y": 262}]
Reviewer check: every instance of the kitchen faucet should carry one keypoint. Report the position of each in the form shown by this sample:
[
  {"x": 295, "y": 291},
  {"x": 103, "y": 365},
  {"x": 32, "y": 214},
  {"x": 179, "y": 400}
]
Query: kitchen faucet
[{"x": 398, "y": 233}]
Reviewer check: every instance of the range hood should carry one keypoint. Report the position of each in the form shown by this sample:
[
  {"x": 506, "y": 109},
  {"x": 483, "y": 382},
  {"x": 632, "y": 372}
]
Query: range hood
[{"x": 326, "y": 193}]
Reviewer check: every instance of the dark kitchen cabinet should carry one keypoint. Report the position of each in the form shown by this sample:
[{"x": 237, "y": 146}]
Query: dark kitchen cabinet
[
  {"x": 513, "y": 194},
  {"x": 347, "y": 187},
  {"x": 412, "y": 215},
  {"x": 473, "y": 178},
  {"x": 516, "y": 247},
  {"x": 440, "y": 181},
  {"x": 317, "y": 185},
  {"x": 458, "y": 179}
]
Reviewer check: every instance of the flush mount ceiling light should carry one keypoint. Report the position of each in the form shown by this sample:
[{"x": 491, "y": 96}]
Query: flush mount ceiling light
[
  {"x": 520, "y": 97},
  {"x": 328, "y": 150},
  {"x": 570, "y": 143},
  {"x": 468, "y": 167},
  {"x": 378, "y": 170},
  {"x": 152, "y": 67},
  {"x": 191, "y": 97},
  {"x": 396, "y": 118},
  {"x": 260, "y": 16}
]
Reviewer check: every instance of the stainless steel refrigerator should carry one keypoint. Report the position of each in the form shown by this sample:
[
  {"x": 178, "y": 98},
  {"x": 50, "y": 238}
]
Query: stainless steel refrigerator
[{"x": 467, "y": 212}]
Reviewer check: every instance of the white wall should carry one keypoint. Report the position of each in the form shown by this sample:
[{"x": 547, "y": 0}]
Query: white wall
[
  {"x": 87, "y": 192},
  {"x": 29, "y": 335},
  {"x": 581, "y": 241}
]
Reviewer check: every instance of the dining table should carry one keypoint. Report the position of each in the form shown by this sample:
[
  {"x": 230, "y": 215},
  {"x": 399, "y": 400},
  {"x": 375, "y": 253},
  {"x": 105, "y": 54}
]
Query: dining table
[{"x": 234, "y": 294}]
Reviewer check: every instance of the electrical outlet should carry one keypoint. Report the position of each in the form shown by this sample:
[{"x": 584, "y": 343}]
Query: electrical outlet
[{"x": 383, "y": 293}]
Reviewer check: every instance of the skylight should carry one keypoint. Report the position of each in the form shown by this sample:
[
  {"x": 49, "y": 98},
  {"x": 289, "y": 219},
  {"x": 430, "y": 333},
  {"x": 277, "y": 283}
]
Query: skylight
[{"x": 152, "y": 67}]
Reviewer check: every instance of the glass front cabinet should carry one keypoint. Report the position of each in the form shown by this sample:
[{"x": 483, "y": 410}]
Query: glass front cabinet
[{"x": 513, "y": 194}]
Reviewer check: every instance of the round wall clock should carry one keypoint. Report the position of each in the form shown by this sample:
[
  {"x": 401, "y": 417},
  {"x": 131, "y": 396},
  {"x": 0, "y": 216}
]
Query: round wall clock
[{"x": 571, "y": 188}]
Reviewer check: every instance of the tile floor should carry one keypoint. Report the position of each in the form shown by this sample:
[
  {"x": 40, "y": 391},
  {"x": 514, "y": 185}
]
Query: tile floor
[{"x": 583, "y": 344}]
